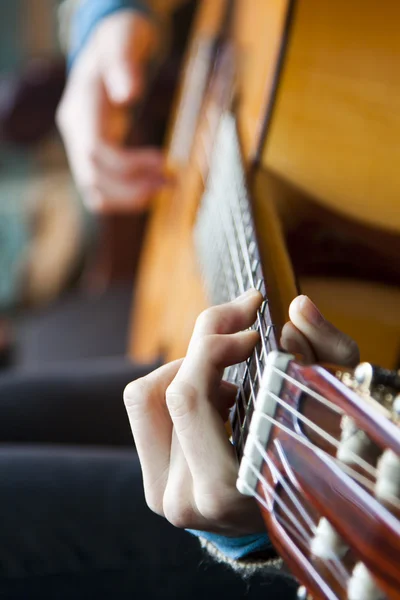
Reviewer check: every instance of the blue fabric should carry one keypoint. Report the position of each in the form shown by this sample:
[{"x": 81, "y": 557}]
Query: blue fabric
[
  {"x": 90, "y": 13},
  {"x": 235, "y": 548}
]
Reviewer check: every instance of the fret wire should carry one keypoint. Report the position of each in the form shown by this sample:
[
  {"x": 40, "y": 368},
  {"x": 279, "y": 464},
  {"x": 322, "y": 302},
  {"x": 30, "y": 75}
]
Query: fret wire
[
  {"x": 209, "y": 205},
  {"x": 232, "y": 249},
  {"x": 220, "y": 249},
  {"x": 239, "y": 225},
  {"x": 258, "y": 363},
  {"x": 243, "y": 243},
  {"x": 263, "y": 344},
  {"x": 226, "y": 213},
  {"x": 226, "y": 221},
  {"x": 227, "y": 264},
  {"x": 241, "y": 391}
]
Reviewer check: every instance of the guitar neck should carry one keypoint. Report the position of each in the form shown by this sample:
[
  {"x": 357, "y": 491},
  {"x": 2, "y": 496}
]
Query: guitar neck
[{"x": 228, "y": 252}]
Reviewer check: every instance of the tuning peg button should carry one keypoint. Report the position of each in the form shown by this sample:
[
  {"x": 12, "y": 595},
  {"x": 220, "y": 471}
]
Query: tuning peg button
[{"x": 302, "y": 594}]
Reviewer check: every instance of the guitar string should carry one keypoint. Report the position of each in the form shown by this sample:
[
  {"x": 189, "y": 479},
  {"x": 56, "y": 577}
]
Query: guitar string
[
  {"x": 318, "y": 430},
  {"x": 338, "y": 565},
  {"x": 350, "y": 470},
  {"x": 305, "y": 441},
  {"x": 287, "y": 511},
  {"x": 230, "y": 238},
  {"x": 285, "y": 485},
  {"x": 310, "y": 392},
  {"x": 334, "y": 564},
  {"x": 346, "y": 468},
  {"x": 330, "y": 439},
  {"x": 235, "y": 258},
  {"x": 231, "y": 243},
  {"x": 323, "y": 434},
  {"x": 358, "y": 460}
]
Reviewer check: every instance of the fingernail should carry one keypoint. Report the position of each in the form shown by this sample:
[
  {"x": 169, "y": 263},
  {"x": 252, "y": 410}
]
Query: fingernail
[
  {"x": 310, "y": 312},
  {"x": 246, "y": 295}
]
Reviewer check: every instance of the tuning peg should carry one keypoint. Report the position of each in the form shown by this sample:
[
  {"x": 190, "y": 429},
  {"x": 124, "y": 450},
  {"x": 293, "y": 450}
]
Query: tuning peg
[
  {"x": 302, "y": 594},
  {"x": 369, "y": 376}
]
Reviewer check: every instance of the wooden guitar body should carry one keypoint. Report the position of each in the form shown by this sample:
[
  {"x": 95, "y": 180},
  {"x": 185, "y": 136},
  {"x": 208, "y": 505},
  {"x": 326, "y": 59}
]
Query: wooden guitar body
[
  {"x": 332, "y": 126},
  {"x": 279, "y": 87},
  {"x": 322, "y": 503},
  {"x": 170, "y": 292}
]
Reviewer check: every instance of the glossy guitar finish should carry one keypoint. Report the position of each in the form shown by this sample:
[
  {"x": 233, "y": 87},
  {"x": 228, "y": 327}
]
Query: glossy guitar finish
[
  {"x": 167, "y": 301},
  {"x": 302, "y": 480}
]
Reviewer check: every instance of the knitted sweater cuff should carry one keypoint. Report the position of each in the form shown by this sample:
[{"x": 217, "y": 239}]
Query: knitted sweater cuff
[
  {"x": 236, "y": 547},
  {"x": 89, "y": 13},
  {"x": 245, "y": 566}
]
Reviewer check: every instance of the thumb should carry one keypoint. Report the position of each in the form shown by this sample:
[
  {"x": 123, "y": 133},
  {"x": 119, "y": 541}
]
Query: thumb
[
  {"x": 328, "y": 343},
  {"x": 127, "y": 41}
]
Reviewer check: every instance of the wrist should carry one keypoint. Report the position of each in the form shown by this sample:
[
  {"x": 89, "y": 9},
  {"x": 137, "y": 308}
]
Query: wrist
[
  {"x": 88, "y": 15},
  {"x": 235, "y": 548}
]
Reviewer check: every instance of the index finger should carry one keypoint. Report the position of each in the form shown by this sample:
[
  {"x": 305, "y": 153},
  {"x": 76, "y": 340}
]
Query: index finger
[
  {"x": 191, "y": 396},
  {"x": 152, "y": 428}
]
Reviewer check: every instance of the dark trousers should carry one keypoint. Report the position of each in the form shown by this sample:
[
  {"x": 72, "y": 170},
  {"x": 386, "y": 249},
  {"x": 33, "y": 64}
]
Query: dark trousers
[{"x": 74, "y": 523}]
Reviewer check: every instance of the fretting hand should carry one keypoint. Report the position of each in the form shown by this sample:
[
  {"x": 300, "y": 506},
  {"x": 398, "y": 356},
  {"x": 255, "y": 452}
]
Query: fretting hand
[
  {"x": 109, "y": 74},
  {"x": 177, "y": 414}
]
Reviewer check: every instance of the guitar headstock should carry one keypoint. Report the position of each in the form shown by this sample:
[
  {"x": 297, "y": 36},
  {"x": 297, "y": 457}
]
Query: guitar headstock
[{"x": 322, "y": 458}]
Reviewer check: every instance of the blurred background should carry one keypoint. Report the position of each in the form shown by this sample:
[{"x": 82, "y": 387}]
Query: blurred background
[{"x": 65, "y": 274}]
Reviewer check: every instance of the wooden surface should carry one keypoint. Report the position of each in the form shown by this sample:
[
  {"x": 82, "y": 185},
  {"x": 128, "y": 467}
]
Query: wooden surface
[
  {"x": 258, "y": 32},
  {"x": 336, "y": 127},
  {"x": 165, "y": 294},
  {"x": 293, "y": 497},
  {"x": 333, "y": 137},
  {"x": 169, "y": 293}
]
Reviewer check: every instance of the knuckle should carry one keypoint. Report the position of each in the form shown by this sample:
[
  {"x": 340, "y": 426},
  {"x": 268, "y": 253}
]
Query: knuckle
[
  {"x": 137, "y": 394},
  {"x": 348, "y": 350},
  {"x": 204, "y": 319},
  {"x": 178, "y": 512},
  {"x": 209, "y": 320},
  {"x": 212, "y": 505},
  {"x": 180, "y": 399},
  {"x": 154, "y": 502}
]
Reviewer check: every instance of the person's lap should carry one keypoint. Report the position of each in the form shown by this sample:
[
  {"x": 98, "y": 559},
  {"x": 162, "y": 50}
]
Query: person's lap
[{"x": 74, "y": 519}]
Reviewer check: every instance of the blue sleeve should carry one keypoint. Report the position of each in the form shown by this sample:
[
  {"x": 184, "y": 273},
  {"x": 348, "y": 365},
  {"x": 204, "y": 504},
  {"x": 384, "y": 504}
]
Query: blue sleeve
[
  {"x": 89, "y": 14},
  {"x": 236, "y": 548}
]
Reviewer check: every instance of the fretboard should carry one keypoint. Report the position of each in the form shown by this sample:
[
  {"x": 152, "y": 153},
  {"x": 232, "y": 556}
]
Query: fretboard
[{"x": 228, "y": 253}]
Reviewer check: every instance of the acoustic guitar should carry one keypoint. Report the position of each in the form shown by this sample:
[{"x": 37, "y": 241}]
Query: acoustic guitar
[{"x": 318, "y": 447}]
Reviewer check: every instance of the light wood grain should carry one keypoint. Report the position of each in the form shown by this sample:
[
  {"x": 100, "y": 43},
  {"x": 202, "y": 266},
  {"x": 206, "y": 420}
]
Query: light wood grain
[{"x": 336, "y": 128}]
